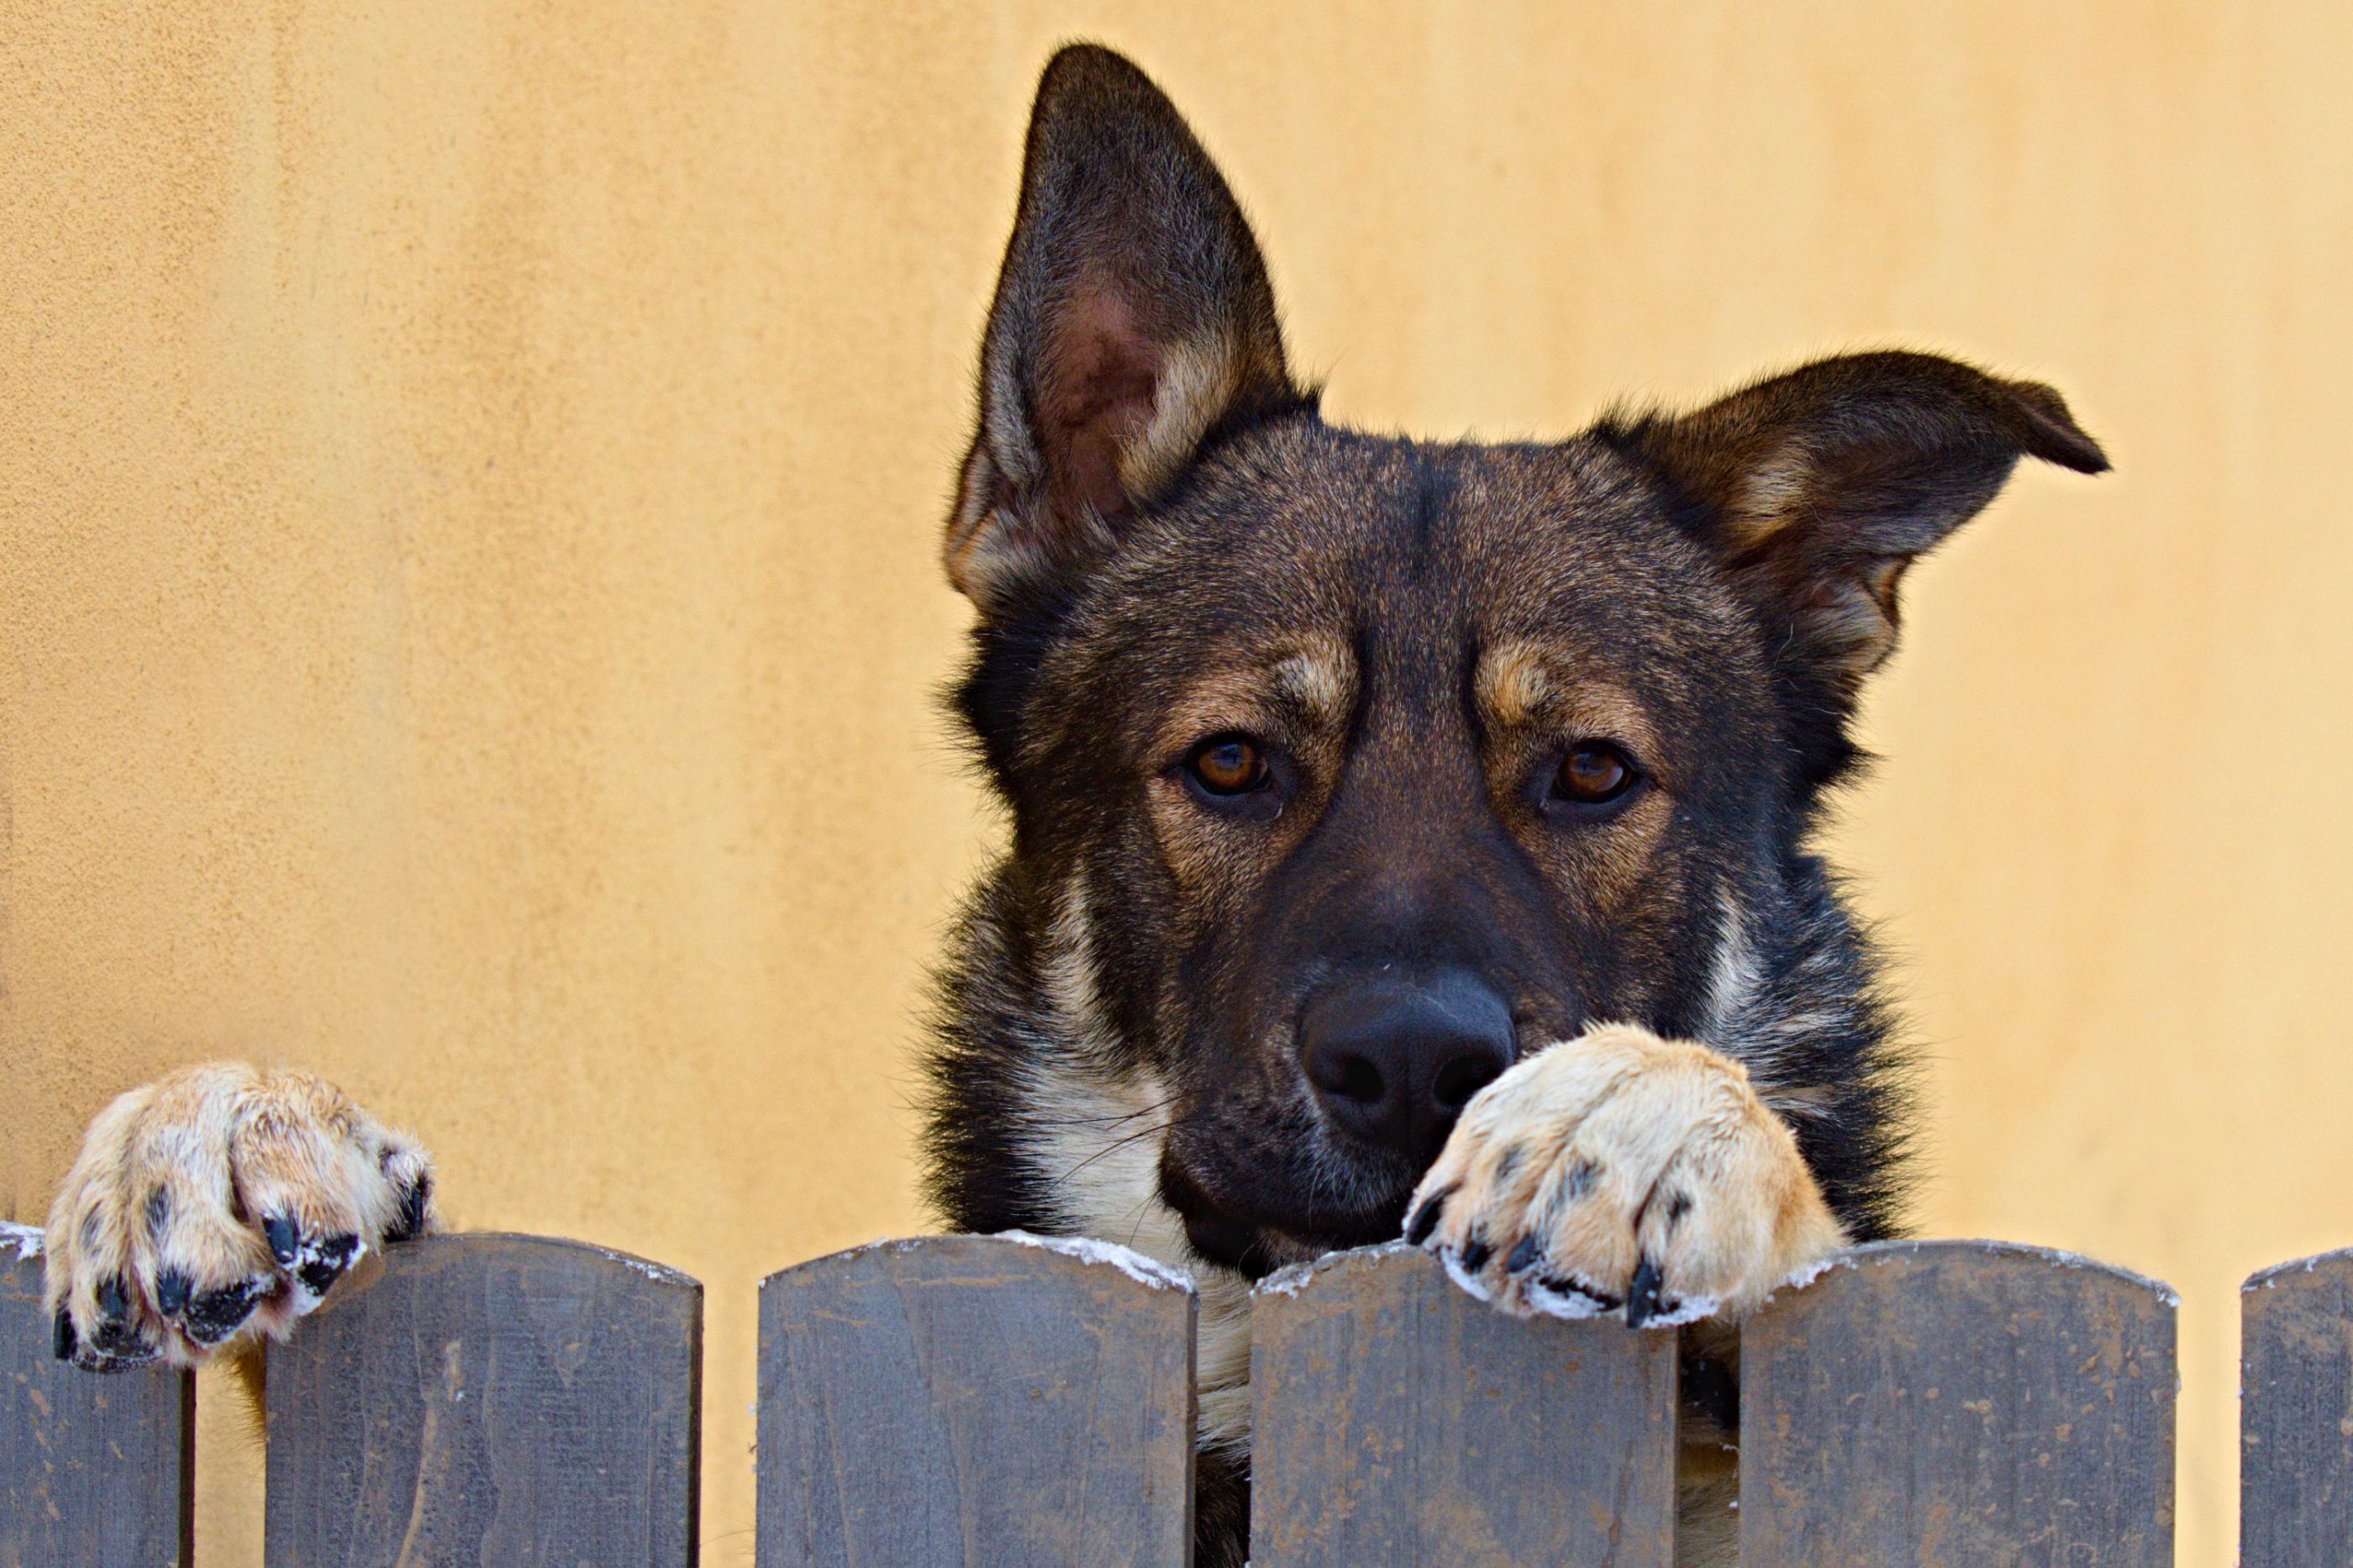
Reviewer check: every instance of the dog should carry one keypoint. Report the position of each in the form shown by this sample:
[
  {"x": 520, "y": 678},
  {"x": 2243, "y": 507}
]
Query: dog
[{"x": 1407, "y": 837}]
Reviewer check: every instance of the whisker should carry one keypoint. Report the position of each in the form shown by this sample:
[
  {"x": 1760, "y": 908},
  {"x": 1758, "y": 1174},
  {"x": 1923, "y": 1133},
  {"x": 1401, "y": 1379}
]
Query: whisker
[
  {"x": 1104, "y": 1153},
  {"x": 1099, "y": 1121}
]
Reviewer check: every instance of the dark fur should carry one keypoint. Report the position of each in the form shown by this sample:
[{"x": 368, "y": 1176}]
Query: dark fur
[{"x": 1118, "y": 1030}]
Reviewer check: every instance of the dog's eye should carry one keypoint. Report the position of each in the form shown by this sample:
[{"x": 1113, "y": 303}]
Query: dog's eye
[
  {"x": 1228, "y": 765},
  {"x": 1595, "y": 773}
]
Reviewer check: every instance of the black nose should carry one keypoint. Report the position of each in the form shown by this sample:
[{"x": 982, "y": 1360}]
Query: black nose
[{"x": 1393, "y": 1060}]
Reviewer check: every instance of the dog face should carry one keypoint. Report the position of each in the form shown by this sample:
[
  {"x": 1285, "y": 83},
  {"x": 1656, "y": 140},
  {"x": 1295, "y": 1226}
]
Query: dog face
[{"x": 1344, "y": 770}]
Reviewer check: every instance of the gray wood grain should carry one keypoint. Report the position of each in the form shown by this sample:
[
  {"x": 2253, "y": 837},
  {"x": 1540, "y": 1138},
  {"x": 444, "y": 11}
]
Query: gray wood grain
[
  {"x": 94, "y": 1468},
  {"x": 2296, "y": 1414},
  {"x": 1953, "y": 1404},
  {"x": 489, "y": 1400},
  {"x": 975, "y": 1401},
  {"x": 1398, "y": 1420}
]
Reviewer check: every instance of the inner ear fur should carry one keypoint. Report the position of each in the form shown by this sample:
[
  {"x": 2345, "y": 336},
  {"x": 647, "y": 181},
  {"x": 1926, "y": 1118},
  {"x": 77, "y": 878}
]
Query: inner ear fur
[
  {"x": 1820, "y": 486},
  {"x": 1132, "y": 317}
]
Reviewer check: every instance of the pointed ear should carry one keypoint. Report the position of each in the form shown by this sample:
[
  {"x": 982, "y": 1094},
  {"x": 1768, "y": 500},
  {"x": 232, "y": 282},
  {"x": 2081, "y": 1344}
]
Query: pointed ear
[
  {"x": 1132, "y": 317},
  {"x": 1816, "y": 489}
]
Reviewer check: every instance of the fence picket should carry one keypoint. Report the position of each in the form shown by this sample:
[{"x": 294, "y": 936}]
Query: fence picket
[
  {"x": 976, "y": 1401},
  {"x": 506, "y": 1399},
  {"x": 1396, "y": 1420},
  {"x": 971, "y": 1400},
  {"x": 93, "y": 1469},
  {"x": 1959, "y": 1402},
  {"x": 2295, "y": 1413}
]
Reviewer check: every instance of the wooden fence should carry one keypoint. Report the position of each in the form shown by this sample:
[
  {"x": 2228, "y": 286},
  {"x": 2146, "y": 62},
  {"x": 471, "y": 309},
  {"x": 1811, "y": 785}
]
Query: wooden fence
[{"x": 512, "y": 1400}]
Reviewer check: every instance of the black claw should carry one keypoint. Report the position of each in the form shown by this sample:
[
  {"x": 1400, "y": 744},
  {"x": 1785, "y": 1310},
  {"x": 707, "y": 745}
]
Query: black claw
[
  {"x": 1524, "y": 1256},
  {"x": 410, "y": 1224},
  {"x": 63, "y": 1342},
  {"x": 1642, "y": 1297},
  {"x": 118, "y": 1343},
  {"x": 215, "y": 1315},
  {"x": 1475, "y": 1253},
  {"x": 327, "y": 1263},
  {"x": 1562, "y": 1286},
  {"x": 1424, "y": 1218},
  {"x": 114, "y": 1335},
  {"x": 171, "y": 1291},
  {"x": 89, "y": 1360},
  {"x": 285, "y": 1240}
]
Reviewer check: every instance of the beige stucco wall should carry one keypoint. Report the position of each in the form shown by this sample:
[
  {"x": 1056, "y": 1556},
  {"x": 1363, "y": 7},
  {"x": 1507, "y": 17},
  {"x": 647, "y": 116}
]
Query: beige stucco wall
[{"x": 467, "y": 610}]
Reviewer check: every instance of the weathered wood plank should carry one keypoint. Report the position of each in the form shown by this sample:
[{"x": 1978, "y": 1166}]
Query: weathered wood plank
[
  {"x": 976, "y": 1401},
  {"x": 1957, "y": 1403},
  {"x": 1396, "y": 1420},
  {"x": 489, "y": 1399},
  {"x": 2296, "y": 1414},
  {"x": 94, "y": 1468}
]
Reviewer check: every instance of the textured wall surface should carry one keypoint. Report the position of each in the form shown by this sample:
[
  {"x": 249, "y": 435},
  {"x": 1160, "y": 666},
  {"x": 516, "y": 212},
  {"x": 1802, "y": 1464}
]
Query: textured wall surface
[{"x": 468, "y": 604}]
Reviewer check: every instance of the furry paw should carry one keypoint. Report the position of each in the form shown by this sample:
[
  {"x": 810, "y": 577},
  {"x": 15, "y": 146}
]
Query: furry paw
[
  {"x": 218, "y": 1205},
  {"x": 1619, "y": 1169}
]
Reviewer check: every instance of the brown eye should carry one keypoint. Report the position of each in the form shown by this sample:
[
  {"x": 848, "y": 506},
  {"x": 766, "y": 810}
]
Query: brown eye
[
  {"x": 1593, "y": 773},
  {"x": 1226, "y": 765}
]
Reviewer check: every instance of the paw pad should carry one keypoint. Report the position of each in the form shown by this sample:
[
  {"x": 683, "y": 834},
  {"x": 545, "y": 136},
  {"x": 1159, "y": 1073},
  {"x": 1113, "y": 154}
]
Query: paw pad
[
  {"x": 216, "y": 1314},
  {"x": 321, "y": 1262}
]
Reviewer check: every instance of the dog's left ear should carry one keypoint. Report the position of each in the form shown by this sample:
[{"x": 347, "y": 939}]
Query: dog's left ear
[
  {"x": 1818, "y": 487},
  {"x": 1132, "y": 317}
]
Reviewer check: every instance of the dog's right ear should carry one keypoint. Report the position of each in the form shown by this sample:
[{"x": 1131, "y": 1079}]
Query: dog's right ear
[{"x": 1132, "y": 317}]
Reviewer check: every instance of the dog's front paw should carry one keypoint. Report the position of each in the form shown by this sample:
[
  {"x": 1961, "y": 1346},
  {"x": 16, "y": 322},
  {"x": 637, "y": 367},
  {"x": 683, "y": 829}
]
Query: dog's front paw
[
  {"x": 216, "y": 1205},
  {"x": 1619, "y": 1168}
]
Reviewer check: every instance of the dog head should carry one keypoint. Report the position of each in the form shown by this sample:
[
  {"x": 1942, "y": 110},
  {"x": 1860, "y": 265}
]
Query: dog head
[{"x": 1346, "y": 769}]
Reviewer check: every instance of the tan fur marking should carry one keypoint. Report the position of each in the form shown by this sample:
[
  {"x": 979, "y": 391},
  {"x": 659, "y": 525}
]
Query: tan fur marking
[
  {"x": 1534, "y": 695},
  {"x": 1597, "y": 711},
  {"x": 971, "y": 546},
  {"x": 1320, "y": 680},
  {"x": 1513, "y": 684},
  {"x": 1297, "y": 697},
  {"x": 1617, "y": 863},
  {"x": 1880, "y": 580},
  {"x": 1770, "y": 496},
  {"x": 1290, "y": 694},
  {"x": 1234, "y": 699},
  {"x": 1854, "y": 629},
  {"x": 1196, "y": 382},
  {"x": 1527, "y": 684}
]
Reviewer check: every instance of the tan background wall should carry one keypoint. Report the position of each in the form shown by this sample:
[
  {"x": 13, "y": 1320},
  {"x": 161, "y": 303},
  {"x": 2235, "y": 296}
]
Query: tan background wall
[{"x": 467, "y": 611}]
